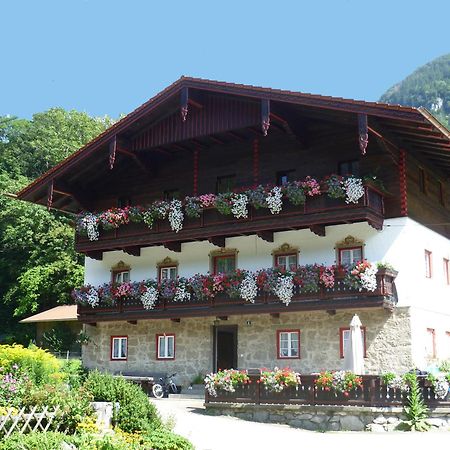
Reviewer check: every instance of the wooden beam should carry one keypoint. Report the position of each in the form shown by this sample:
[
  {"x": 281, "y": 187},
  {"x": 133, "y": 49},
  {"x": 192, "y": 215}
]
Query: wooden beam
[
  {"x": 318, "y": 229},
  {"x": 265, "y": 235},
  {"x": 95, "y": 254},
  {"x": 134, "y": 250},
  {"x": 218, "y": 241},
  {"x": 174, "y": 246},
  {"x": 216, "y": 140}
]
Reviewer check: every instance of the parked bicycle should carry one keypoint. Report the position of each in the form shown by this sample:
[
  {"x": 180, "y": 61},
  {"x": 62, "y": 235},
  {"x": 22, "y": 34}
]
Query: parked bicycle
[{"x": 165, "y": 386}]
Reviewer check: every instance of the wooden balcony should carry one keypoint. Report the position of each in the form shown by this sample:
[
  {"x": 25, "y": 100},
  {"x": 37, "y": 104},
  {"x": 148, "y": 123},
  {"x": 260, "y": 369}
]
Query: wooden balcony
[
  {"x": 329, "y": 299},
  {"x": 317, "y": 213}
]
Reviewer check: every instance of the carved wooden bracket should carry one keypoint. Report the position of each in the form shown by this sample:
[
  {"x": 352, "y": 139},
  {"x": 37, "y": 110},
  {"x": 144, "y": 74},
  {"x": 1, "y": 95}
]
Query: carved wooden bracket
[
  {"x": 363, "y": 132},
  {"x": 184, "y": 103},
  {"x": 174, "y": 246},
  {"x": 265, "y": 116},
  {"x": 266, "y": 235},
  {"x": 95, "y": 254},
  {"x": 112, "y": 152},
  {"x": 318, "y": 229},
  {"x": 134, "y": 251},
  {"x": 218, "y": 241}
]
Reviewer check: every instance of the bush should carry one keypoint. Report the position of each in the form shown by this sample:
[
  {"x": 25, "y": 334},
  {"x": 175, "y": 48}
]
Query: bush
[
  {"x": 59, "y": 339},
  {"x": 164, "y": 439},
  {"x": 135, "y": 413},
  {"x": 35, "y": 441},
  {"x": 40, "y": 366},
  {"x": 74, "y": 372},
  {"x": 74, "y": 404}
]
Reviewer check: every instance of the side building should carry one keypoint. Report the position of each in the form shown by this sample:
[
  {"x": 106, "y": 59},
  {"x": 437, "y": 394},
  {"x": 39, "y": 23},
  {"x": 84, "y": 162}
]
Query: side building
[{"x": 233, "y": 226}]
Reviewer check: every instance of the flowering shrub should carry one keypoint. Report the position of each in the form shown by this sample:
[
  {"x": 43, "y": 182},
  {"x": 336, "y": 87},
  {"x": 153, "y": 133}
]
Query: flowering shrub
[
  {"x": 238, "y": 284},
  {"x": 14, "y": 384},
  {"x": 363, "y": 276},
  {"x": 228, "y": 203},
  {"x": 225, "y": 380},
  {"x": 339, "y": 381},
  {"x": 354, "y": 190},
  {"x": 440, "y": 383},
  {"x": 279, "y": 379},
  {"x": 393, "y": 381}
]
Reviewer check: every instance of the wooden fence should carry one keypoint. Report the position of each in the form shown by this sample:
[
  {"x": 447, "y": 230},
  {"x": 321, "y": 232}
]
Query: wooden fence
[
  {"x": 372, "y": 393},
  {"x": 25, "y": 422}
]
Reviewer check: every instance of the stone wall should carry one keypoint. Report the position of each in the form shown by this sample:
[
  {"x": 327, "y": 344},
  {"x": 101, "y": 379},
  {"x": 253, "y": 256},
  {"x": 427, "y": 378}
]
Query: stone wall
[
  {"x": 388, "y": 342},
  {"x": 327, "y": 418}
]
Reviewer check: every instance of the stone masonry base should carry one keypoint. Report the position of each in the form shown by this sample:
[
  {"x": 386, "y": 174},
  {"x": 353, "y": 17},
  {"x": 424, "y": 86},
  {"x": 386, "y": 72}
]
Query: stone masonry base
[{"x": 327, "y": 418}]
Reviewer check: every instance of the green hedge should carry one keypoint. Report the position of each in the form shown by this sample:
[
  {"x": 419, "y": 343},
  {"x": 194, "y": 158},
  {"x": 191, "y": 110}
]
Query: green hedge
[{"x": 135, "y": 413}]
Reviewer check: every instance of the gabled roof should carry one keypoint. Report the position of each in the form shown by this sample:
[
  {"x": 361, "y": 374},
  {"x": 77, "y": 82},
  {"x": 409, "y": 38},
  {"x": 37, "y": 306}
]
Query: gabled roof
[
  {"x": 65, "y": 313},
  {"x": 414, "y": 126}
]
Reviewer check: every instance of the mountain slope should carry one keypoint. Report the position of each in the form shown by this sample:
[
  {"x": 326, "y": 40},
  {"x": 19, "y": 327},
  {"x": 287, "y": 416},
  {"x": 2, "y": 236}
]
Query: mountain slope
[{"x": 427, "y": 86}]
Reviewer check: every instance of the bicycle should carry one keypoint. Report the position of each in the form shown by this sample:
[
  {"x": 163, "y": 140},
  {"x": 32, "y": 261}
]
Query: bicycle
[{"x": 165, "y": 387}]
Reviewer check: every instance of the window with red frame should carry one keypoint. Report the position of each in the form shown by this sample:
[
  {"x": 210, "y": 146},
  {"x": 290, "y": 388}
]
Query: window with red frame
[
  {"x": 288, "y": 344},
  {"x": 286, "y": 261},
  {"x": 349, "y": 256},
  {"x": 224, "y": 264},
  {"x": 165, "y": 346},
  {"x": 428, "y": 264},
  {"x": 344, "y": 339},
  {"x": 430, "y": 345},
  {"x": 119, "y": 347},
  {"x": 446, "y": 270}
]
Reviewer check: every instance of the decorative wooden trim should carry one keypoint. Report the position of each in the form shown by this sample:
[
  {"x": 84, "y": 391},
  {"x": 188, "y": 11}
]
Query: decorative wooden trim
[
  {"x": 95, "y": 254},
  {"x": 218, "y": 241},
  {"x": 111, "y": 348},
  {"x": 318, "y": 230},
  {"x": 173, "y": 246},
  {"x": 349, "y": 242},
  {"x": 255, "y": 162},
  {"x": 50, "y": 194},
  {"x": 266, "y": 235},
  {"x": 133, "y": 250},
  {"x": 403, "y": 183},
  {"x": 278, "y": 344},
  {"x": 341, "y": 340},
  {"x": 363, "y": 133},
  {"x": 112, "y": 151},
  {"x": 265, "y": 115},
  {"x": 184, "y": 98},
  {"x": 120, "y": 267},
  {"x": 171, "y": 358},
  {"x": 284, "y": 250}
]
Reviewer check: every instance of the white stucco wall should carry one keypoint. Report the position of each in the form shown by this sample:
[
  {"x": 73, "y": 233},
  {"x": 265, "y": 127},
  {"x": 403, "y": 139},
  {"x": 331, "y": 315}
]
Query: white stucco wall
[{"x": 402, "y": 243}]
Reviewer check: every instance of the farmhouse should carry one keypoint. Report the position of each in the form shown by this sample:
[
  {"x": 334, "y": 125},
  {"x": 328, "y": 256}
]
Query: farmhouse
[{"x": 227, "y": 225}]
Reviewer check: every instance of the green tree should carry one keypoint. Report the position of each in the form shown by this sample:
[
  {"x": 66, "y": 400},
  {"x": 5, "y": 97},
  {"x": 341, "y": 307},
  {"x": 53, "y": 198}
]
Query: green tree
[{"x": 38, "y": 263}]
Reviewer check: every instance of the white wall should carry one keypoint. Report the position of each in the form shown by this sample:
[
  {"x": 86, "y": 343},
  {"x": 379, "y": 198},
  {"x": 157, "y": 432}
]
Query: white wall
[{"x": 402, "y": 243}]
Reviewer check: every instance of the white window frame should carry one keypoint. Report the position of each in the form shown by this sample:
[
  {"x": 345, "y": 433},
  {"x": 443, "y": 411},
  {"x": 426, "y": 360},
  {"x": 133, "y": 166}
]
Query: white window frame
[
  {"x": 169, "y": 270},
  {"x": 122, "y": 347},
  {"x": 290, "y": 334},
  {"x": 352, "y": 258},
  {"x": 119, "y": 276},
  {"x": 163, "y": 343},
  {"x": 287, "y": 257}
]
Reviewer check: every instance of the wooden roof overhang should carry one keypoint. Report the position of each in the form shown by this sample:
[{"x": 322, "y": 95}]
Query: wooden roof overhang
[{"x": 195, "y": 113}]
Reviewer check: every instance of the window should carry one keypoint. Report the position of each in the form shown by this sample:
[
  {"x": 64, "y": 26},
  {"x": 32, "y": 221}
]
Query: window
[
  {"x": 288, "y": 343},
  {"x": 122, "y": 276},
  {"x": 224, "y": 264},
  {"x": 171, "y": 194},
  {"x": 428, "y": 264},
  {"x": 446, "y": 271},
  {"x": 168, "y": 273},
  {"x": 165, "y": 346},
  {"x": 422, "y": 180},
  {"x": 349, "y": 167},
  {"x": 430, "y": 345},
  {"x": 349, "y": 256},
  {"x": 344, "y": 339},
  {"x": 225, "y": 184},
  {"x": 284, "y": 177},
  {"x": 286, "y": 262},
  {"x": 119, "y": 347}
]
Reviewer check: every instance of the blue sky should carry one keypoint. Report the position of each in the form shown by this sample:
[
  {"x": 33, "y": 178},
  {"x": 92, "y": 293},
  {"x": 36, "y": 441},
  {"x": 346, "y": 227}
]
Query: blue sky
[{"x": 109, "y": 56}]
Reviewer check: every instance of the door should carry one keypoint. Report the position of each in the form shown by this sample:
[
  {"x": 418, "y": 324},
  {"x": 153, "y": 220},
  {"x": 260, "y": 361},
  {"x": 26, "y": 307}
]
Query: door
[{"x": 225, "y": 347}]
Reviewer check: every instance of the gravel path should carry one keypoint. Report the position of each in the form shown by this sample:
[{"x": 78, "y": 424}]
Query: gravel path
[{"x": 225, "y": 433}]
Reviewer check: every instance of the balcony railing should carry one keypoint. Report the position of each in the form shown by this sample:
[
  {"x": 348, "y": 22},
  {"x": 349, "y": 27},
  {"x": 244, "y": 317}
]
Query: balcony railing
[
  {"x": 340, "y": 296},
  {"x": 316, "y": 213},
  {"x": 373, "y": 393}
]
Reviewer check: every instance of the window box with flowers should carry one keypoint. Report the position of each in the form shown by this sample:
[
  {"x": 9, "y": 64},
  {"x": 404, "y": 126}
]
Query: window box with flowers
[
  {"x": 338, "y": 382},
  {"x": 228, "y": 380}
]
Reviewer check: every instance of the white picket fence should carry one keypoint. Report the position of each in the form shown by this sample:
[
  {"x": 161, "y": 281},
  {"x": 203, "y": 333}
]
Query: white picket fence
[{"x": 25, "y": 422}]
